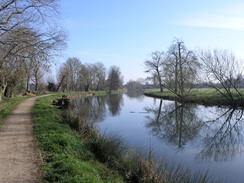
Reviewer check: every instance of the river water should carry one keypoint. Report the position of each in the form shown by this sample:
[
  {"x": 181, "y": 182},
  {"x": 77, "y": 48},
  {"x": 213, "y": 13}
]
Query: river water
[{"x": 206, "y": 139}]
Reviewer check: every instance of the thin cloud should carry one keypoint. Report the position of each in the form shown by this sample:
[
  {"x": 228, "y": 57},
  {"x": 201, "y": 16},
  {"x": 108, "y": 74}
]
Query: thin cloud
[
  {"x": 215, "y": 21},
  {"x": 229, "y": 16}
]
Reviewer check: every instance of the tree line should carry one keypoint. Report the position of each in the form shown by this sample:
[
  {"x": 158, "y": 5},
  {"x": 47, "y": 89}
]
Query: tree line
[
  {"x": 179, "y": 70},
  {"x": 29, "y": 40},
  {"x": 73, "y": 75}
]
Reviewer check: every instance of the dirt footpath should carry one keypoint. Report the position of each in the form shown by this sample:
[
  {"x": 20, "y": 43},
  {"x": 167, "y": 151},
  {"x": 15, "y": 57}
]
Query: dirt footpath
[{"x": 18, "y": 156}]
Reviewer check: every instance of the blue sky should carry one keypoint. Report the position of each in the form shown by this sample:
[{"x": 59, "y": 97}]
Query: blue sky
[{"x": 125, "y": 32}]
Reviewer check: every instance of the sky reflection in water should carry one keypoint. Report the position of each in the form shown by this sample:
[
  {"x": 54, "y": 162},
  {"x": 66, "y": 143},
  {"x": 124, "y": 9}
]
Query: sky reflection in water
[{"x": 197, "y": 137}]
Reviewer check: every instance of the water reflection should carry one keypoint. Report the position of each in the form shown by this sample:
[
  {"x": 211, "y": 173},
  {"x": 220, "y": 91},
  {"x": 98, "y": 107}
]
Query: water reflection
[
  {"x": 115, "y": 103},
  {"x": 133, "y": 94},
  {"x": 175, "y": 123},
  {"x": 224, "y": 136},
  {"x": 91, "y": 109},
  {"x": 209, "y": 138},
  {"x": 94, "y": 109},
  {"x": 219, "y": 133}
]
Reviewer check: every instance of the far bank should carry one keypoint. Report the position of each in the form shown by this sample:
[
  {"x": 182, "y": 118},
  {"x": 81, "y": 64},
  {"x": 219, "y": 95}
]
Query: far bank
[{"x": 203, "y": 96}]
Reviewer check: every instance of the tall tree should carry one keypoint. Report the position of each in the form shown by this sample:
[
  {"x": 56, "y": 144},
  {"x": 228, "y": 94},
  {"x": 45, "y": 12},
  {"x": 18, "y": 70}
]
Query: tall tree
[
  {"x": 180, "y": 69},
  {"x": 71, "y": 70},
  {"x": 85, "y": 78},
  {"x": 155, "y": 67},
  {"x": 99, "y": 71}
]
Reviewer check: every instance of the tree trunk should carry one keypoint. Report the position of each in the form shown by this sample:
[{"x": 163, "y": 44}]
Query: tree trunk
[
  {"x": 2, "y": 90},
  {"x": 87, "y": 88},
  {"x": 61, "y": 82},
  {"x": 176, "y": 75},
  {"x": 180, "y": 127},
  {"x": 181, "y": 84},
  {"x": 36, "y": 86},
  {"x": 159, "y": 111},
  {"x": 28, "y": 84},
  {"x": 160, "y": 81}
]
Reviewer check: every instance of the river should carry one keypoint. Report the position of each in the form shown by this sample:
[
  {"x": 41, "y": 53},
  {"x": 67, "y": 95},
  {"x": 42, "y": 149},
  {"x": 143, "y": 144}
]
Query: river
[{"x": 205, "y": 139}]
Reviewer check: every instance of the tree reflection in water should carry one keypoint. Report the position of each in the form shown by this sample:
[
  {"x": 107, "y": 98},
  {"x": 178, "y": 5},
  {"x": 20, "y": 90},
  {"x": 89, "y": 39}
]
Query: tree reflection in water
[
  {"x": 133, "y": 94},
  {"x": 175, "y": 122},
  {"x": 91, "y": 109},
  {"x": 224, "y": 136},
  {"x": 115, "y": 103},
  {"x": 221, "y": 137}
]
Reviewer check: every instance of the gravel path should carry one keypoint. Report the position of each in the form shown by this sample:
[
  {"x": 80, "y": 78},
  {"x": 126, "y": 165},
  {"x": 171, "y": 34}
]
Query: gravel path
[{"x": 19, "y": 160}]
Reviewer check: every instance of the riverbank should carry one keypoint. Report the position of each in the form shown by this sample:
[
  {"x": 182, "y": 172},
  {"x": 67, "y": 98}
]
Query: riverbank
[
  {"x": 84, "y": 155},
  {"x": 207, "y": 97},
  {"x": 65, "y": 157}
]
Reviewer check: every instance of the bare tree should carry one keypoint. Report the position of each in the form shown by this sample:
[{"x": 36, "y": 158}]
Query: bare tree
[
  {"x": 86, "y": 76},
  {"x": 180, "y": 69},
  {"x": 100, "y": 76},
  {"x": 38, "y": 73},
  {"x": 75, "y": 76},
  {"x": 28, "y": 49},
  {"x": 23, "y": 41},
  {"x": 223, "y": 72},
  {"x": 71, "y": 70},
  {"x": 155, "y": 67},
  {"x": 62, "y": 78},
  {"x": 15, "y": 13}
]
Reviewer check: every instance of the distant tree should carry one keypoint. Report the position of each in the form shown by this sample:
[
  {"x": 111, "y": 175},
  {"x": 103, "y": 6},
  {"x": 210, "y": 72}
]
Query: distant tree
[
  {"x": 69, "y": 72},
  {"x": 134, "y": 85},
  {"x": 38, "y": 73},
  {"x": 85, "y": 77},
  {"x": 75, "y": 76},
  {"x": 99, "y": 72},
  {"x": 115, "y": 80},
  {"x": 154, "y": 66}
]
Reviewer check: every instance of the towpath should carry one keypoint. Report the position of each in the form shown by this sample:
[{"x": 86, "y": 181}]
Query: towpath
[{"x": 19, "y": 158}]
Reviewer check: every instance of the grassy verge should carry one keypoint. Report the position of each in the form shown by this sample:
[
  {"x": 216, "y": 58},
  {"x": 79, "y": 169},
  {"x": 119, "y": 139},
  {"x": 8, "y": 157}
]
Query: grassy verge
[
  {"x": 200, "y": 96},
  {"x": 7, "y": 105},
  {"x": 66, "y": 159}
]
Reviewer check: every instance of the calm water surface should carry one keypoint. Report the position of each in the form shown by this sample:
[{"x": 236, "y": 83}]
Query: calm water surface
[{"x": 197, "y": 137}]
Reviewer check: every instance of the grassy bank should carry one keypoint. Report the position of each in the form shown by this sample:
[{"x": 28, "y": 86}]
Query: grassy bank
[
  {"x": 84, "y": 155},
  {"x": 7, "y": 105},
  {"x": 204, "y": 96},
  {"x": 66, "y": 159}
]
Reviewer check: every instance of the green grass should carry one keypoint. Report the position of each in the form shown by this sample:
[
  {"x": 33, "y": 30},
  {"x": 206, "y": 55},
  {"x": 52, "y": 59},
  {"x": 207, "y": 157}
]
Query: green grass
[
  {"x": 203, "y": 96},
  {"x": 7, "y": 105},
  {"x": 66, "y": 159}
]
